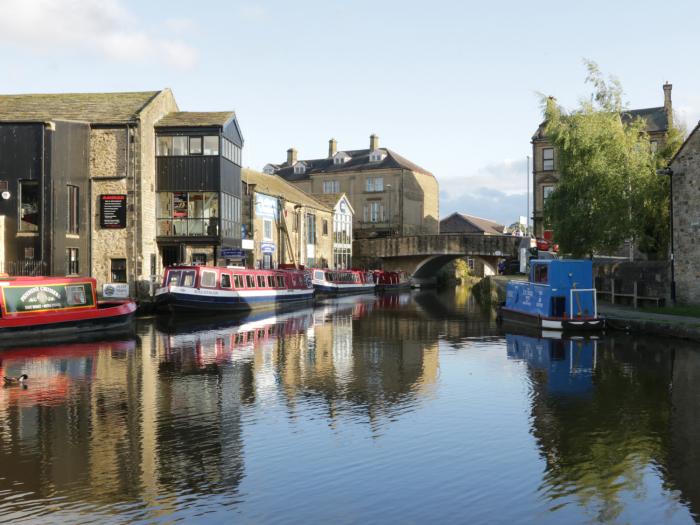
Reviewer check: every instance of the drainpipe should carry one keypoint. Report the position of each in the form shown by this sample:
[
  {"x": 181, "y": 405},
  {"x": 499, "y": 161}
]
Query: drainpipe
[{"x": 669, "y": 172}]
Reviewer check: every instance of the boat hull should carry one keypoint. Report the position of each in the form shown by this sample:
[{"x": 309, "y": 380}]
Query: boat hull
[
  {"x": 343, "y": 289},
  {"x": 176, "y": 298},
  {"x": 518, "y": 317},
  {"x": 108, "y": 319}
]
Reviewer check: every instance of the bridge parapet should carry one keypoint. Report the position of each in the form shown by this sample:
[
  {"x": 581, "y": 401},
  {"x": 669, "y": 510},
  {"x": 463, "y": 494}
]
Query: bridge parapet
[{"x": 443, "y": 244}]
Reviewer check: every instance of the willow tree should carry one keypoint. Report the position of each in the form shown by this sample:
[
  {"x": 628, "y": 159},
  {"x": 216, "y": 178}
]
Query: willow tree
[{"x": 608, "y": 190}]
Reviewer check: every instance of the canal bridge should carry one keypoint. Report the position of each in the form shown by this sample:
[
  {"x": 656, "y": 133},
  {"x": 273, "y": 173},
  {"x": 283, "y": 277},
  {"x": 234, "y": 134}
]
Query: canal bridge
[{"x": 423, "y": 256}]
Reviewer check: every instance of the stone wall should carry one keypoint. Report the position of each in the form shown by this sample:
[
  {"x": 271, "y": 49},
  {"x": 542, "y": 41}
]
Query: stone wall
[
  {"x": 652, "y": 280},
  {"x": 686, "y": 220}
]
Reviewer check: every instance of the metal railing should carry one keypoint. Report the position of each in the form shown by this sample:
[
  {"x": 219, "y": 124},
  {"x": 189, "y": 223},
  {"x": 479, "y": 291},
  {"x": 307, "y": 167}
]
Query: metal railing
[{"x": 27, "y": 267}]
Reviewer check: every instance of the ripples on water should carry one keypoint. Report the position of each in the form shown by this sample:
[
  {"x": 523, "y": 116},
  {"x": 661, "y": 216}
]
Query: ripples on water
[{"x": 413, "y": 408}]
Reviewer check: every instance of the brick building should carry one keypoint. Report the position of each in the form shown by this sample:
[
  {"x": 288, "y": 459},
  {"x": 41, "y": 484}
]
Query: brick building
[
  {"x": 544, "y": 166},
  {"x": 285, "y": 225},
  {"x": 685, "y": 193},
  {"x": 389, "y": 194},
  {"x": 80, "y": 175}
]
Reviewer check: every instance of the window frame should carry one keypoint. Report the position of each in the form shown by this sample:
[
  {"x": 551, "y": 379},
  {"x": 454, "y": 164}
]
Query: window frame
[
  {"x": 547, "y": 163},
  {"x": 73, "y": 211},
  {"x": 112, "y": 270},
  {"x": 22, "y": 183}
]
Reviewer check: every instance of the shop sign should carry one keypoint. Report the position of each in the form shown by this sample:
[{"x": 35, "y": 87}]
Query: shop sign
[
  {"x": 265, "y": 206},
  {"x": 113, "y": 211},
  {"x": 267, "y": 247},
  {"x": 115, "y": 290}
]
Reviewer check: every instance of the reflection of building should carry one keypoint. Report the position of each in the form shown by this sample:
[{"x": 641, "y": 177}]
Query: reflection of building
[
  {"x": 544, "y": 167},
  {"x": 198, "y": 165},
  {"x": 285, "y": 224},
  {"x": 390, "y": 194}
]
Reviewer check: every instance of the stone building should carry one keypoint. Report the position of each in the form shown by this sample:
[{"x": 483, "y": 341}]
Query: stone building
[
  {"x": 544, "y": 166},
  {"x": 390, "y": 194},
  {"x": 286, "y": 225},
  {"x": 112, "y": 139},
  {"x": 685, "y": 193}
]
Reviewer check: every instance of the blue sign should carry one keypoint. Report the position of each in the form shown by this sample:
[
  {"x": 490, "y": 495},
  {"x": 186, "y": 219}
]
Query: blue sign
[{"x": 232, "y": 253}]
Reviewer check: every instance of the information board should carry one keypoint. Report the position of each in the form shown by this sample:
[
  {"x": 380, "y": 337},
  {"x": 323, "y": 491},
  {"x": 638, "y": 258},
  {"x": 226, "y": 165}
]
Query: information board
[{"x": 113, "y": 211}]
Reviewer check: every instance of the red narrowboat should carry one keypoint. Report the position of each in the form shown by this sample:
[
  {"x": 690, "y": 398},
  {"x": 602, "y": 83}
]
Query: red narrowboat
[
  {"x": 36, "y": 308},
  {"x": 392, "y": 281}
]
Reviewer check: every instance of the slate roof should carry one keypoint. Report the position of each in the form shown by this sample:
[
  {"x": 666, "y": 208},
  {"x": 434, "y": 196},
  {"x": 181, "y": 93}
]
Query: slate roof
[
  {"x": 95, "y": 108},
  {"x": 330, "y": 199},
  {"x": 196, "y": 119},
  {"x": 656, "y": 120},
  {"x": 278, "y": 187},
  {"x": 359, "y": 161},
  {"x": 486, "y": 226}
]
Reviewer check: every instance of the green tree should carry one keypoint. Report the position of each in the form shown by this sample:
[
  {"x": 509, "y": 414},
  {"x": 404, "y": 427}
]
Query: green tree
[{"x": 608, "y": 190}]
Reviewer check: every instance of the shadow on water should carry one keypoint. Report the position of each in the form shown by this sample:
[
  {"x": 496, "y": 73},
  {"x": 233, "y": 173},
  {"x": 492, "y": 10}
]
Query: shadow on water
[{"x": 271, "y": 411}]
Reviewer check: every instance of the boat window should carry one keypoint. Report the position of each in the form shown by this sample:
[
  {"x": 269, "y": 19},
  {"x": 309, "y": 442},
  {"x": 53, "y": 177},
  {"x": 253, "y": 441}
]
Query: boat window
[
  {"x": 318, "y": 275},
  {"x": 187, "y": 278},
  {"x": 238, "y": 281},
  {"x": 250, "y": 281},
  {"x": 173, "y": 278},
  {"x": 541, "y": 273},
  {"x": 208, "y": 279},
  {"x": 280, "y": 281},
  {"x": 261, "y": 281},
  {"x": 271, "y": 281},
  {"x": 225, "y": 280}
]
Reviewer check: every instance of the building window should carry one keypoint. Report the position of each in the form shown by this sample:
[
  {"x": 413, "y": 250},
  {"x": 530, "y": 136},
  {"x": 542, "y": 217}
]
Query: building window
[
  {"x": 546, "y": 192},
  {"x": 548, "y": 159},
  {"x": 376, "y": 156},
  {"x": 470, "y": 263},
  {"x": 331, "y": 186},
  {"x": 325, "y": 227},
  {"x": 310, "y": 228},
  {"x": 654, "y": 146},
  {"x": 297, "y": 221},
  {"x": 193, "y": 213},
  {"x": 118, "y": 270},
  {"x": 299, "y": 168},
  {"x": 374, "y": 211},
  {"x": 267, "y": 229},
  {"x": 211, "y": 145},
  {"x": 374, "y": 184},
  {"x": 73, "y": 210},
  {"x": 72, "y": 266},
  {"x": 195, "y": 145},
  {"x": 29, "y": 214},
  {"x": 199, "y": 258},
  {"x": 180, "y": 146}
]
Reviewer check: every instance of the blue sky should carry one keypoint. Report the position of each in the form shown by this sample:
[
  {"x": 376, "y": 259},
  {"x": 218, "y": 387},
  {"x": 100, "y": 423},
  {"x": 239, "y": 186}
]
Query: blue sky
[{"x": 450, "y": 85}]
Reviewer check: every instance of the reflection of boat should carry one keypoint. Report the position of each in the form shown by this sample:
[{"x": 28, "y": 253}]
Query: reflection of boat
[
  {"x": 569, "y": 363},
  {"x": 558, "y": 295},
  {"x": 334, "y": 282},
  {"x": 65, "y": 308},
  {"x": 212, "y": 288}
]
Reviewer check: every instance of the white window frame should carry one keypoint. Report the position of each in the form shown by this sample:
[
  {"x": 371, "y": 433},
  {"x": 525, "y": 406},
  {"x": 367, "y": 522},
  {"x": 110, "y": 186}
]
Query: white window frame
[
  {"x": 374, "y": 184},
  {"x": 267, "y": 224}
]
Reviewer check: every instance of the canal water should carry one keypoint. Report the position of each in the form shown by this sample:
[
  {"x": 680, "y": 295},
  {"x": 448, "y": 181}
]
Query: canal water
[{"x": 411, "y": 408}]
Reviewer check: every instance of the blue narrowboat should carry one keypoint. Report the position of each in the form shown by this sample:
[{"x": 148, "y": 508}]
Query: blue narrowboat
[{"x": 558, "y": 295}]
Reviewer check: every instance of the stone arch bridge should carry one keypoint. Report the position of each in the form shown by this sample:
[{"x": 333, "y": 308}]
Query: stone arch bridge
[{"x": 422, "y": 256}]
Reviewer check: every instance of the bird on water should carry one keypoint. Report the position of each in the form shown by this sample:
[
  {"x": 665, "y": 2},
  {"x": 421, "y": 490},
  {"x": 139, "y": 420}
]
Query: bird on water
[{"x": 21, "y": 380}]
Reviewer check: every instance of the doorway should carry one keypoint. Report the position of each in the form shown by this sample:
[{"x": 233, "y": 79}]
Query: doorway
[{"x": 170, "y": 255}]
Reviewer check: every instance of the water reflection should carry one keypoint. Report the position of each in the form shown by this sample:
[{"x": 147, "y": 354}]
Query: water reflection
[{"x": 402, "y": 407}]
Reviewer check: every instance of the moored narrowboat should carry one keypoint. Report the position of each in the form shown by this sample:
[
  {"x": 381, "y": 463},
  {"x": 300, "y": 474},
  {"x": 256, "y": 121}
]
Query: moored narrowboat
[
  {"x": 389, "y": 281},
  {"x": 46, "y": 308},
  {"x": 558, "y": 295},
  {"x": 234, "y": 289},
  {"x": 335, "y": 282}
]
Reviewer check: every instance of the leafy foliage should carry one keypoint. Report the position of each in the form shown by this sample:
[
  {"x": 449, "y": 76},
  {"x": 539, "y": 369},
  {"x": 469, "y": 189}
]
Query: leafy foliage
[{"x": 609, "y": 190}]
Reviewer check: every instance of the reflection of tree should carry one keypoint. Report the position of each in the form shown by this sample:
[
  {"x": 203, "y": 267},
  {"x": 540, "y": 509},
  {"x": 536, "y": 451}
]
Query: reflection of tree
[{"x": 598, "y": 445}]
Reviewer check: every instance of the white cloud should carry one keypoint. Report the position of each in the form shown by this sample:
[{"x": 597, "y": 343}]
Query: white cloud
[
  {"x": 104, "y": 27},
  {"x": 496, "y": 191}
]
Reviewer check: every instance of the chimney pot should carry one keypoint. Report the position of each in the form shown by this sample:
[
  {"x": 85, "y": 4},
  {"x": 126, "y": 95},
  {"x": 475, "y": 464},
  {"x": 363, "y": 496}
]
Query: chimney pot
[
  {"x": 332, "y": 147},
  {"x": 373, "y": 142},
  {"x": 291, "y": 156}
]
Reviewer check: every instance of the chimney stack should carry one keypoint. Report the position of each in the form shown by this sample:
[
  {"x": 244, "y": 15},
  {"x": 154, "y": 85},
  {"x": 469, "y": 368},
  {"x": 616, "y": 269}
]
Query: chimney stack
[
  {"x": 373, "y": 142},
  {"x": 668, "y": 105},
  {"x": 332, "y": 147},
  {"x": 291, "y": 156}
]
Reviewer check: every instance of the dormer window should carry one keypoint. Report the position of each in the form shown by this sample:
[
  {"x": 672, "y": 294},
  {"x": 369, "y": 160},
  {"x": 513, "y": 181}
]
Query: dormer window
[
  {"x": 377, "y": 156},
  {"x": 340, "y": 158},
  {"x": 299, "y": 168},
  {"x": 269, "y": 169}
]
